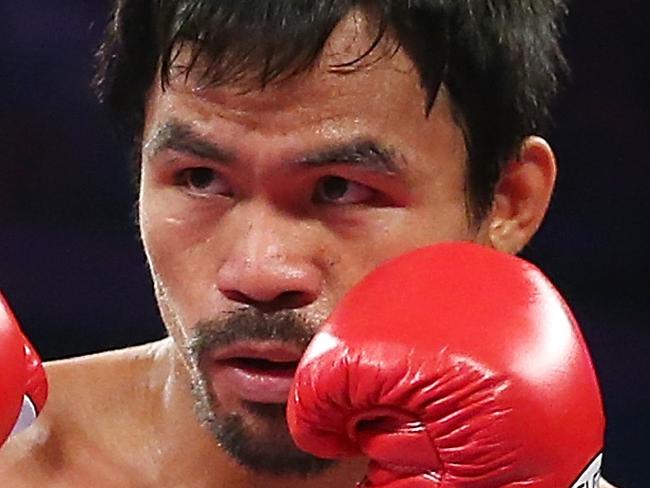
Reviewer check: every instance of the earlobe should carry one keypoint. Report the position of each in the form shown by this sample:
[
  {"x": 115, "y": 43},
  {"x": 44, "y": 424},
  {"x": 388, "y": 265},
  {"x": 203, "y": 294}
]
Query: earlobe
[{"x": 522, "y": 196}]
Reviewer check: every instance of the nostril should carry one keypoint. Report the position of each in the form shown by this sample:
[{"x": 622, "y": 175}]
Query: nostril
[
  {"x": 290, "y": 299},
  {"x": 237, "y": 296},
  {"x": 294, "y": 299}
]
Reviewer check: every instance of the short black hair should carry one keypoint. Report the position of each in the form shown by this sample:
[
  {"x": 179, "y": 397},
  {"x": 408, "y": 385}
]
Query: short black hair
[{"x": 499, "y": 59}]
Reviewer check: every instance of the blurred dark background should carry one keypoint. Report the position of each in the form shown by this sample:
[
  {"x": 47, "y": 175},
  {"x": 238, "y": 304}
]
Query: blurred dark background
[{"x": 71, "y": 264}]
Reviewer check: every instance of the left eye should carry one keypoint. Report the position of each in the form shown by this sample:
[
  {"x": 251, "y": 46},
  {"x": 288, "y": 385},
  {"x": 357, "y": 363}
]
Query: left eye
[
  {"x": 203, "y": 181},
  {"x": 334, "y": 189}
]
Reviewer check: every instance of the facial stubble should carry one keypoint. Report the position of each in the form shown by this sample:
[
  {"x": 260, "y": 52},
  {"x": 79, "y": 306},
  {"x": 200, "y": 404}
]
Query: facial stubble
[{"x": 270, "y": 449}]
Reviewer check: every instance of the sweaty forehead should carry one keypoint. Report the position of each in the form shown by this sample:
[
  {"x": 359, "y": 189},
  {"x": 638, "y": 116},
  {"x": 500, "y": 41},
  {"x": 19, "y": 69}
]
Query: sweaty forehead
[{"x": 352, "y": 68}]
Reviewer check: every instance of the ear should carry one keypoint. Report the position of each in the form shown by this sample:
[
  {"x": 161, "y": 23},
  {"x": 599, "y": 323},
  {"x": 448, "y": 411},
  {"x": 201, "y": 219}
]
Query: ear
[{"x": 521, "y": 197}]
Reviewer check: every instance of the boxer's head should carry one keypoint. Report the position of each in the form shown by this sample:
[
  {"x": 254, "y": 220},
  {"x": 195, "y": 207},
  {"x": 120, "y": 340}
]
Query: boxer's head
[{"x": 285, "y": 148}]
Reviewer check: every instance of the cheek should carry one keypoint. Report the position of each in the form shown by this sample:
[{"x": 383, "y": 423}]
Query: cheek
[
  {"x": 393, "y": 233},
  {"x": 165, "y": 238},
  {"x": 174, "y": 228},
  {"x": 181, "y": 263}
]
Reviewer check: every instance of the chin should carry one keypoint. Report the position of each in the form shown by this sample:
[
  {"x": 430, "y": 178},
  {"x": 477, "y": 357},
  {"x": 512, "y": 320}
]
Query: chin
[
  {"x": 257, "y": 438},
  {"x": 254, "y": 434}
]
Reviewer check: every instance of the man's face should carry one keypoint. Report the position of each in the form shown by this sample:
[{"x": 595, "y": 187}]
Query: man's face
[{"x": 259, "y": 210}]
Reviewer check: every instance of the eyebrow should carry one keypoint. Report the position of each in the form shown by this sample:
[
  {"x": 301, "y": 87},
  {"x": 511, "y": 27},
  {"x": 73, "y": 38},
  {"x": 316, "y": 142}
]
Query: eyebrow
[
  {"x": 362, "y": 152},
  {"x": 179, "y": 136},
  {"x": 365, "y": 153}
]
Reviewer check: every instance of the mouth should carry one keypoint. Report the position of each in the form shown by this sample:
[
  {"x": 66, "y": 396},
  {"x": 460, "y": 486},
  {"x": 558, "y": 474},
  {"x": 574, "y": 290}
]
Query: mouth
[{"x": 255, "y": 372}]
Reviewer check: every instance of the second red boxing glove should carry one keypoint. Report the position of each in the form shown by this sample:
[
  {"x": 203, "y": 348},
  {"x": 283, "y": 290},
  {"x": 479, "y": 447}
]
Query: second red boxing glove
[
  {"x": 23, "y": 384},
  {"x": 453, "y": 366}
]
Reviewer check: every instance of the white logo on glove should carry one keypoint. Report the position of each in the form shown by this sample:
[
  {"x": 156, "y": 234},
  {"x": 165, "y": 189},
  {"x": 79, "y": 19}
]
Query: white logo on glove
[
  {"x": 590, "y": 477},
  {"x": 26, "y": 417}
]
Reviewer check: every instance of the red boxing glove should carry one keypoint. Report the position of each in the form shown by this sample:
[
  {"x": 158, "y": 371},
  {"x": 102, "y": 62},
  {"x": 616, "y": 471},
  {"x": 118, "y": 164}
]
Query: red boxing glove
[
  {"x": 23, "y": 385},
  {"x": 453, "y": 366}
]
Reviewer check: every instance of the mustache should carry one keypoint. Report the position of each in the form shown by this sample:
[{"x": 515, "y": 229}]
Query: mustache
[{"x": 249, "y": 324}]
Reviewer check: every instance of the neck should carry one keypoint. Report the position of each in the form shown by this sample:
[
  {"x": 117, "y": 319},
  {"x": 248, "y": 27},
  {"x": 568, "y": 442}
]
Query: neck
[{"x": 190, "y": 451}]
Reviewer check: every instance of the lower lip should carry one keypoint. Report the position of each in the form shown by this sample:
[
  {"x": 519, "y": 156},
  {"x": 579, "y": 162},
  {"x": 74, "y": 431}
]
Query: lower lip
[{"x": 252, "y": 384}]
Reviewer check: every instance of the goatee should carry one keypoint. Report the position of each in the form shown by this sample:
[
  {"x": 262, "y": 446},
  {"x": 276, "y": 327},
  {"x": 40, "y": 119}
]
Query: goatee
[{"x": 274, "y": 453}]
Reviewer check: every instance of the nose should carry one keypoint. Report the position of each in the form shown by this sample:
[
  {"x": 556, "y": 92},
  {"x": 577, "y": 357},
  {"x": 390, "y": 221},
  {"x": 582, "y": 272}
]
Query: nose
[{"x": 271, "y": 266}]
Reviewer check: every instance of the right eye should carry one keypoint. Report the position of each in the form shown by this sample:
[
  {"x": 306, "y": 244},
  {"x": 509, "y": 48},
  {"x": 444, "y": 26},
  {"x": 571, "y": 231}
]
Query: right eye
[
  {"x": 202, "y": 181},
  {"x": 341, "y": 191}
]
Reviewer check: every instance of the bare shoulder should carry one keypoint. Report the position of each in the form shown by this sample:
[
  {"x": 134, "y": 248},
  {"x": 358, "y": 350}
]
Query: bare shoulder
[
  {"x": 83, "y": 382},
  {"x": 89, "y": 396},
  {"x": 82, "y": 370}
]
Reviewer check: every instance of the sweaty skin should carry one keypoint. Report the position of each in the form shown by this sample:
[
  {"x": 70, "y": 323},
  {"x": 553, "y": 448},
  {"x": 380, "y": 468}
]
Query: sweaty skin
[{"x": 242, "y": 219}]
